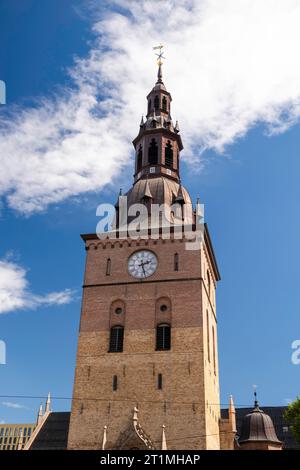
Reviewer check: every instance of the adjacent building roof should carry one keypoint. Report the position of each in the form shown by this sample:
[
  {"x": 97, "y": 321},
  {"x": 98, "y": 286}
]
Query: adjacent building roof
[
  {"x": 257, "y": 426},
  {"x": 283, "y": 431},
  {"x": 54, "y": 432}
]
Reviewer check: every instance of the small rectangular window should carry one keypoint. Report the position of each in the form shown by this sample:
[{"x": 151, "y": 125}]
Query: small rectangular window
[
  {"x": 108, "y": 267},
  {"x": 176, "y": 262}
]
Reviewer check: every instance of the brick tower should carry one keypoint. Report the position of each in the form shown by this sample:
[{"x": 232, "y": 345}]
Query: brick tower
[{"x": 147, "y": 363}]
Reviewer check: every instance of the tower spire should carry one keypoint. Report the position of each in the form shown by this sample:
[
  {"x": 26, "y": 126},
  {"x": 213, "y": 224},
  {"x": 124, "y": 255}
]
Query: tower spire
[
  {"x": 159, "y": 62},
  {"x": 256, "y": 405},
  {"x": 159, "y": 73}
]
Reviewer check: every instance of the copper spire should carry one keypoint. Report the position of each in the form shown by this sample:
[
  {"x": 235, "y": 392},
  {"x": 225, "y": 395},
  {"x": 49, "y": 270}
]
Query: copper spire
[{"x": 159, "y": 73}]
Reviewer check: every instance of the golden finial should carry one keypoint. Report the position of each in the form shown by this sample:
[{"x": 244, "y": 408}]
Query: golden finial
[{"x": 159, "y": 61}]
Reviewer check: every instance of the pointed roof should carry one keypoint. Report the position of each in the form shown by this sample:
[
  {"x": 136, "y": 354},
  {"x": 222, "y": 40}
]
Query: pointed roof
[
  {"x": 104, "y": 437},
  {"x": 40, "y": 414},
  {"x": 231, "y": 405},
  {"x": 117, "y": 203},
  {"x": 48, "y": 403}
]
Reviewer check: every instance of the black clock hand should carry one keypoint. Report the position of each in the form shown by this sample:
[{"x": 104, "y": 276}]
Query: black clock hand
[{"x": 143, "y": 264}]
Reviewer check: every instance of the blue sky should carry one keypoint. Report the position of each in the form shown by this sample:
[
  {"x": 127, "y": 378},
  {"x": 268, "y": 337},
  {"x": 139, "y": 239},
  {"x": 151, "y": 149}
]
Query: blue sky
[{"x": 247, "y": 178}]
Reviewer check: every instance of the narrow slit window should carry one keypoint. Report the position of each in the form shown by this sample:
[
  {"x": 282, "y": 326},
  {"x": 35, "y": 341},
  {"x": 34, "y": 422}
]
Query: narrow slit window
[
  {"x": 176, "y": 262},
  {"x": 115, "y": 383},
  {"x": 159, "y": 382},
  {"x": 108, "y": 267}
]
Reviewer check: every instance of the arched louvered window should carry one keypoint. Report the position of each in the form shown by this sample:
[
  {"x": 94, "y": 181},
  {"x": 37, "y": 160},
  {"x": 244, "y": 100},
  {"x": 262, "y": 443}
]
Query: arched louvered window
[
  {"x": 156, "y": 102},
  {"x": 153, "y": 152},
  {"x": 169, "y": 155},
  {"x": 149, "y": 106},
  {"x": 163, "y": 337},
  {"x": 116, "y": 339},
  {"x": 164, "y": 104},
  {"x": 176, "y": 262},
  {"x": 139, "y": 159},
  {"x": 108, "y": 267}
]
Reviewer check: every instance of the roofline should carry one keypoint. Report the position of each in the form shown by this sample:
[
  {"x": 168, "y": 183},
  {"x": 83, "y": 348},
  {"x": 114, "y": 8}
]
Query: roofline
[
  {"x": 209, "y": 245},
  {"x": 207, "y": 240}
]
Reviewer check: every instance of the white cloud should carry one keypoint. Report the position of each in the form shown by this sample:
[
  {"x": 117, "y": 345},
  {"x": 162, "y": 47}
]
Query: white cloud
[
  {"x": 15, "y": 293},
  {"x": 230, "y": 64},
  {"x": 16, "y": 406}
]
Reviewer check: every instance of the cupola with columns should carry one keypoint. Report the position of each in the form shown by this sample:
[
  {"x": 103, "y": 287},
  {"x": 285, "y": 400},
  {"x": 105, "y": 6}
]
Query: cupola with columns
[{"x": 158, "y": 143}]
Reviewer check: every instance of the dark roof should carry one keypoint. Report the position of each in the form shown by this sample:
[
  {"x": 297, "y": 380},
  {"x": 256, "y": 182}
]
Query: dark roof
[
  {"x": 257, "y": 426},
  {"x": 54, "y": 432},
  {"x": 282, "y": 429}
]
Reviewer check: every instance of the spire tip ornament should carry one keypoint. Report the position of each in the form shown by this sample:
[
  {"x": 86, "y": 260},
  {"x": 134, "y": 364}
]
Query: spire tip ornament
[
  {"x": 159, "y": 61},
  {"x": 255, "y": 396}
]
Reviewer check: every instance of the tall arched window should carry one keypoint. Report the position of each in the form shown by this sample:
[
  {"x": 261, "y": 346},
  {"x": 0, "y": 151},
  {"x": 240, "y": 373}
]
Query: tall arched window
[
  {"x": 153, "y": 152},
  {"x": 208, "y": 283},
  {"x": 214, "y": 350},
  {"x": 116, "y": 339},
  {"x": 208, "y": 338},
  {"x": 156, "y": 102},
  {"x": 163, "y": 337},
  {"x": 149, "y": 106},
  {"x": 169, "y": 155},
  {"x": 164, "y": 104},
  {"x": 139, "y": 159},
  {"x": 176, "y": 262}
]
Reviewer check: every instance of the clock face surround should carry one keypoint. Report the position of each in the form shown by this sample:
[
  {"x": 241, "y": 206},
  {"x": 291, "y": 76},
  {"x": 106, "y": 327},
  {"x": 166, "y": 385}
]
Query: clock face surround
[{"x": 142, "y": 264}]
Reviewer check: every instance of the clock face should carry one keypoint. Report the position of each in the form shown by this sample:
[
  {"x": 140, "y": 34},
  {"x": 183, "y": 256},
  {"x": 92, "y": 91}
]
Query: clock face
[{"x": 142, "y": 264}]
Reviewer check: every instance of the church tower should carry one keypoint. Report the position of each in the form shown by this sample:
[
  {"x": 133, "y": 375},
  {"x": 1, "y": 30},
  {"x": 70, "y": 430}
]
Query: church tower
[{"x": 147, "y": 363}]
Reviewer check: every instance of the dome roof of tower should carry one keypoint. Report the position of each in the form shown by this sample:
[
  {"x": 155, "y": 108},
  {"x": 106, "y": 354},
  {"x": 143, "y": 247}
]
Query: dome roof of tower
[
  {"x": 163, "y": 191},
  {"x": 257, "y": 426}
]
